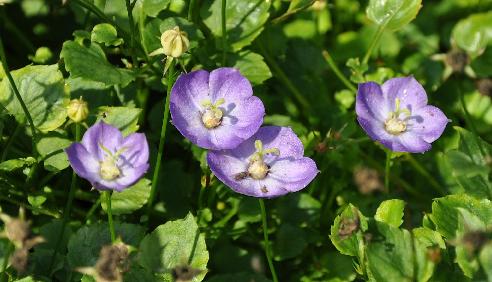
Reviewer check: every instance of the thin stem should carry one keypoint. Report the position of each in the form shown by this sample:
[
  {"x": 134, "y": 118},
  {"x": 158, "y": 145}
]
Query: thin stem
[
  {"x": 387, "y": 170},
  {"x": 93, "y": 209},
  {"x": 331, "y": 63},
  {"x": 6, "y": 260},
  {"x": 268, "y": 251},
  {"x": 10, "y": 141},
  {"x": 224, "y": 32},
  {"x": 68, "y": 207},
  {"x": 18, "y": 95},
  {"x": 191, "y": 10},
  {"x": 374, "y": 43},
  {"x": 279, "y": 73},
  {"x": 420, "y": 169},
  {"x": 470, "y": 123},
  {"x": 129, "y": 9},
  {"x": 107, "y": 198},
  {"x": 291, "y": 12},
  {"x": 165, "y": 119}
]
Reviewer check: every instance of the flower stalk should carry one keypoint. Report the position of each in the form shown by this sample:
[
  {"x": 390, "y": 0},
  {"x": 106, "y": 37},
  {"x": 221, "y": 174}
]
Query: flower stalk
[
  {"x": 387, "y": 170},
  {"x": 107, "y": 198},
  {"x": 165, "y": 120},
  {"x": 268, "y": 250}
]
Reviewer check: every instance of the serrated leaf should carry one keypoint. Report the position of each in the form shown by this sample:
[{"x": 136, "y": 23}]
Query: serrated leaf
[
  {"x": 106, "y": 34},
  {"x": 390, "y": 254},
  {"x": 90, "y": 63},
  {"x": 251, "y": 65},
  {"x": 173, "y": 244},
  {"x": 474, "y": 33},
  {"x": 153, "y": 7},
  {"x": 427, "y": 244},
  {"x": 14, "y": 164},
  {"x": 51, "y": 149},
  {"x": 390, "y": 212},
  {"x": 124, "y": 118},
  {"x": 130, "y": 199},
  {"x": 485, "y": 258},
  {"x": 347, "y": 231},
  {"x": 393, "y": 14},
  {"x": 42, "y": 90},
  {"x": 244, "y": 20}
]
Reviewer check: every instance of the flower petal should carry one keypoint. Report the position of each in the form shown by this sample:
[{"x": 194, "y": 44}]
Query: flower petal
[
  {"x": 136, "y": 150},
  {"x": 83, "y": 162},
  {"x": 411, "y": 143},
  {"x": 370, "y": 103},
  {"x": 190, "y": 90},
  {"x": 101, "y": 134},
  {"x": 130, "y": 176},
  {"x": 293, "y": 174},
  {"x": 428, "y": 122},
  {"x": 411, "y": 94},
  {"x": 228, "y": 83}
]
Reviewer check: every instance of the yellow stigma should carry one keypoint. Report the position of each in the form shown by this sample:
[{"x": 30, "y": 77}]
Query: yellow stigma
[
  {"x": 393, "y": 124},
  {"x": 257, "y": 168},
  {"x": 212, "y": 116}
]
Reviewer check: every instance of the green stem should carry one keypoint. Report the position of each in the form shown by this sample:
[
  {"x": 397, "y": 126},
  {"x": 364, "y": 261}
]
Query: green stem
[
  {"x": 92, "y": 209},
  {"x": 18, "y": 95},
  {"x": 374, "y": 43},
  {"x": 68, "y": 207},
  {"x": 107, "y": 198},
  {"x": 165, "y": 119},
  {"x": 331, "y": 63},
  {"x": 469, "y": 122},
  {"x": 268, "y": 251},
  {"x": 10, "y": 141},
  {"x": 420, "y": 169},
  {"x": 224, "y": 32},
  {"x": 387, "y": 170},
  {"x": 279, "y": 73},
  {"x": 292, "y": 12},
  {"x": 191, "y": 10},
  {"x": 129, "y": 9},
  {"x": 6, "y": 260}
]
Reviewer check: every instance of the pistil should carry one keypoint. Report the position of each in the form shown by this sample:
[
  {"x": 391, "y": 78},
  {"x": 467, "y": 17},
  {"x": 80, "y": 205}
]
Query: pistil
[{"x": 212, "y": 116}]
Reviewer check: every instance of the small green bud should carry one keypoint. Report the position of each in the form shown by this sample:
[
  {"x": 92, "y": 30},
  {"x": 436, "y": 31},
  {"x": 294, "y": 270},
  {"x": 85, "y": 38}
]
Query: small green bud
[
  {"x": 77, "y": 110},
  {"x": 174, "y": 42}
]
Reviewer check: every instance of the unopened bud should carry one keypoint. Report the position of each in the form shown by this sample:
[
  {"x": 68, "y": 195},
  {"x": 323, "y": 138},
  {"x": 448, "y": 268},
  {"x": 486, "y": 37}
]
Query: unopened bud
[
  {"x": 77, "y": 110},
  {"x": 174, "y": 42}
]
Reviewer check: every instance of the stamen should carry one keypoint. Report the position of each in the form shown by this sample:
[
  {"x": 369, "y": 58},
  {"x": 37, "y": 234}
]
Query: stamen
[
  {"x": 212, "y": 116},
  {"x": 394, "y": 124}
]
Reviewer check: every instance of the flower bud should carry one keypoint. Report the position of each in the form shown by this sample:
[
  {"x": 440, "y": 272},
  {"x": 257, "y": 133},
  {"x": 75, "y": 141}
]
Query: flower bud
[
  {"x": 174, "y": 42},
  {"x": 77, "y": 110}
]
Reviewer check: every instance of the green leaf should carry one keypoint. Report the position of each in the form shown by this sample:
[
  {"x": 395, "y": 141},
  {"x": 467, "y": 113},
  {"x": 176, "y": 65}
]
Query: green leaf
[
  {"x": 84, "y": 246},
  {"x": 238, "y": 277},
  {"x": 299, "y": 4},
  {"x": 446, "y": 215},
  {"x": 244, "y": 20},
  {"x": 390, "y": 254},
  {"x": 485, "y": 258},
  {"x": 51, "y": 148},
  {"x": 173, "y": 244},
  {"x": 393, "y": 14},
  {"x": 130, "y": 199},
  {"x": 427, "y": 244},
  {"x": 153, "y": 7},
  {"x": 42, "y": 55},
  {"x": 90, "y": 63},
  {"x": 42, "y": 90},
  {"x": 474, "y": 33},
  {"x": 15, "y": 164},
  {"x": 345, "y": 98},
  {"x": 251, "y": 65},
  {"x": 347, "y": 231},
  {"x": 391, "y": 212},
  {"x": 125, "y": 118},
  {"x": 106, "y": 34},
  {"x": 284, "y": 247}
]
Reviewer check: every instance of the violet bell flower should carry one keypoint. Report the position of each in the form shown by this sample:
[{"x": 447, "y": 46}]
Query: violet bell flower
[
  {"x": 108, "y": 160},
  {"x": 396, "y": 114},
  {"x": 267, "y": 165},
  {"x": 215, "y": 110}
]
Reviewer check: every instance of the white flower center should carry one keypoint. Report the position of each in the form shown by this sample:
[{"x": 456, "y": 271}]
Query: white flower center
[
  {"x": 393, "y": 124},
  {"x": 258, "y": 169},
  {"x": 109, "y": 170},
  {"x": 212, "y": 116}
]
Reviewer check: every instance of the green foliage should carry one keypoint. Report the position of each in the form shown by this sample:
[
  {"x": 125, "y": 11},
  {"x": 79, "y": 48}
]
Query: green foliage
[
  {"x": 106, "y": 34},
  {"x": 393, "y": 14},
  {"x": 131, "y": 199},
  {"x": 474, "y": 33},
  {"x": 391, "y": 212}
]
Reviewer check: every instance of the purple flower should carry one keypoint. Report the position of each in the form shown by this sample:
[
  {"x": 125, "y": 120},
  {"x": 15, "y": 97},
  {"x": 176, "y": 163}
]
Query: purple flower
[
  {"x": 215, "y": 110},
  {"x": 269, "y": 164},
  {"x": 396, "y": 114},
  {"x": 108, "y": 160}
]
